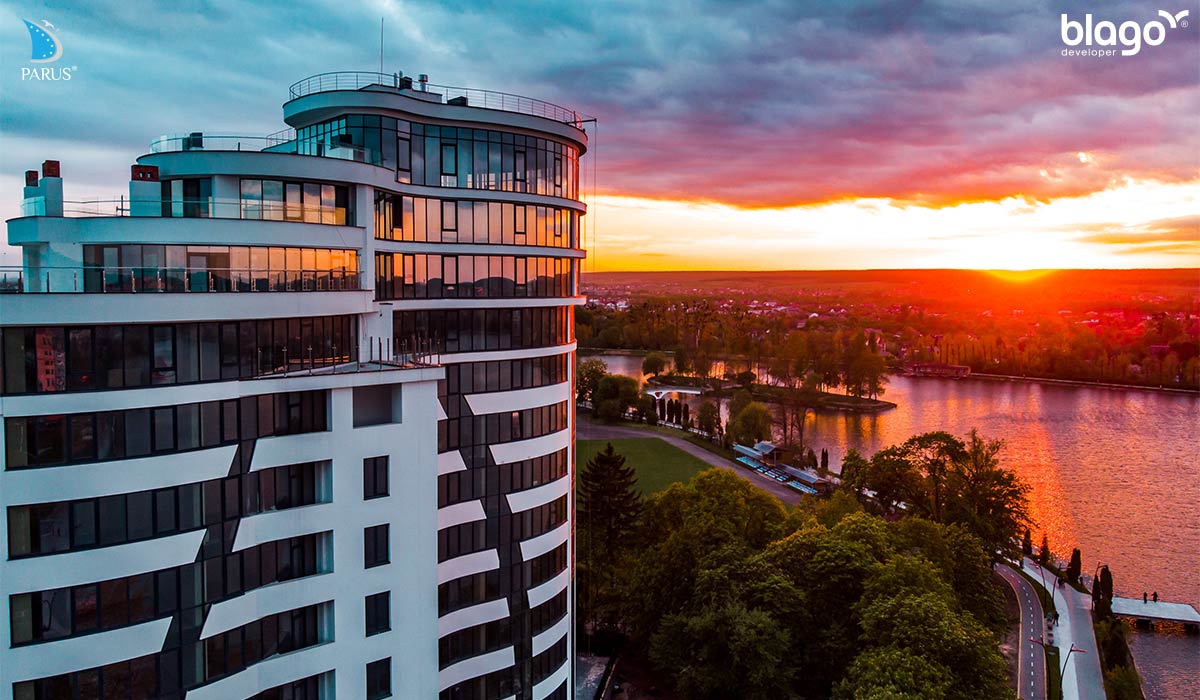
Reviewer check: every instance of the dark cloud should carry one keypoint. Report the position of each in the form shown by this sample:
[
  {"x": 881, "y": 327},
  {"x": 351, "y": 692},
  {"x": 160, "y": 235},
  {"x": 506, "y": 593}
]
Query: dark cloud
[{"x": 753, "y": 103}]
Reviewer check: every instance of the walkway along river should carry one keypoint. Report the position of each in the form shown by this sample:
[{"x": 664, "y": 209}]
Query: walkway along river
[{"x": 1115, "y": 472}]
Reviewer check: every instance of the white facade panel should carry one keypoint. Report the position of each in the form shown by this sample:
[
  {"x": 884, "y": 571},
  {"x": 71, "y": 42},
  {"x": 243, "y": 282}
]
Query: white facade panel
[
  {"x": 539, "y": 496},
  {"x": 67, "y": 655},
  {"x": 475, "y": 667},
  {"x": 520, "y": 399},
  {"x": 536, "y": 547},
  {"x": 519, "y": 450},
  {"x": 472, "y": 616}
]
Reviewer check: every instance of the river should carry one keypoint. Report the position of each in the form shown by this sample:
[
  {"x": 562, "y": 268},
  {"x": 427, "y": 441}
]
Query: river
[{"x": 1115, "y": 472}]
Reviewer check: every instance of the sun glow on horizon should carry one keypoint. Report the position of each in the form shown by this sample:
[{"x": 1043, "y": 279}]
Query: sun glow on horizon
[{"x": 1133, "y": 224}]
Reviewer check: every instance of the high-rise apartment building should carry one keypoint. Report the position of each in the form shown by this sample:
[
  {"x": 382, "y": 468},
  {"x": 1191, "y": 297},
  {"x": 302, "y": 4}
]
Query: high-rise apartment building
[{"x": 293, "y": 420}]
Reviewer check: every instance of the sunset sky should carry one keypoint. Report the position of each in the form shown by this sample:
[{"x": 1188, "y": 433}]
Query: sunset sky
[{"x": 732, "y": 135}]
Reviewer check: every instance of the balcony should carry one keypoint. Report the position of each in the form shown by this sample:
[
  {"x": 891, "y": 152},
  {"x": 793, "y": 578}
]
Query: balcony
[
  {"x": 280, "y": 142},
  {"x": 447, "y": 94},
  {"x": 179, "y": 280}
]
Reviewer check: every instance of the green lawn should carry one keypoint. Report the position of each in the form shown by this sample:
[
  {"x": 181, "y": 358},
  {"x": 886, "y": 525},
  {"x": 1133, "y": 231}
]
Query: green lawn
[{"x": 658, "y": 463}]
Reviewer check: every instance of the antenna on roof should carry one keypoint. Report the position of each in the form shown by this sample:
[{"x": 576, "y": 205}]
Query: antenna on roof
[{"x": 381, "y": 45}]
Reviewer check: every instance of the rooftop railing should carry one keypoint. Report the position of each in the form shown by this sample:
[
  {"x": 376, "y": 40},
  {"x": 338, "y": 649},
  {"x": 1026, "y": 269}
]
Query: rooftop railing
[
  {"x": 133, "y": 280},
  {"x": 203, "y": 141},
  {"x": 469, "y": 97},
  {"x": 193, "y": 208}
]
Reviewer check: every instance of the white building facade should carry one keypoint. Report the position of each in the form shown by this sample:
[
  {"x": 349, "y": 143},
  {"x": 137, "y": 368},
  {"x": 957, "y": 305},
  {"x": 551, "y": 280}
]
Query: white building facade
[{"x": 295, "y": 421}]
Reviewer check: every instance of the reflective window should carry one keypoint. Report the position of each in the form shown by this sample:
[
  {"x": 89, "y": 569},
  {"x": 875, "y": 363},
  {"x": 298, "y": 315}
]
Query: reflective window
[
  {"x": 422, "y": 276},
  {"x": 445, "y": 156},
  {"x": 472, "y": 330},
  {"x": 429, "y": 220},
  {"x": 276, "y": 200},
  {"x": 127, "y": 268},
  {"x": 114, "y": 357},
  {"x": 41, "y": 441},
  {"x": 84, "y": 524}
]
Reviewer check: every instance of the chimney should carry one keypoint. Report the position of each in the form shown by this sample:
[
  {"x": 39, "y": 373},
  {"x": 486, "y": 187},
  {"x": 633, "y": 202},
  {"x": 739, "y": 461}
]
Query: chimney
[
  {"x": 52, "y": 188},
  {"x": 145, "y": 192},
  {"x": 31, "y": 178}
]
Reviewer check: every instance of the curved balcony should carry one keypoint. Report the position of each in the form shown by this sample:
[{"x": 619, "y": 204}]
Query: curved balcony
[
  {"x": 202, "y": 141},
  {"x": 448, "y": 94},
  {"x": 133, "y": 280}
]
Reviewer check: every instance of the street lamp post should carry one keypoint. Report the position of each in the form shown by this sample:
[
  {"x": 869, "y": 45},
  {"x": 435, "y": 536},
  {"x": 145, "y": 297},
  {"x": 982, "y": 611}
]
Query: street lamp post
[{"x": 1062, "y": 673}]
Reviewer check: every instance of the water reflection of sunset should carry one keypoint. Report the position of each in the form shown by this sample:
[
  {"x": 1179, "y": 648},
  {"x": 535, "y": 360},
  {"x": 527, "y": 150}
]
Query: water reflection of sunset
[{"x": 1093, "y": 457}]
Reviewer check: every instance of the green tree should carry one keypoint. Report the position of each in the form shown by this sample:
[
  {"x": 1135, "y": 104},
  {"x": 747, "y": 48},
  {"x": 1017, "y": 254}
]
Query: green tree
[
  {"x": 740, "y": 399},
  {"x": 647, "y": 409},
  {"x": 892, "y": 476},
  {"x": 614, "y": 395},
  {"x": 854, "y": 470},
  {"x": 654, "y": 364},
  {"x": 929, "y": 625},
  {"x": 803, "y": 400},
  {"x": 745, "y": 378},
  {"x": 932, "y": 455},
  {"x": 1122, "y": 683},
  {"x": 724, "y": 651},
  {"x": 752, "y": 424},
  {"x": 1027, "y": 544},
  {"x": 1044, "y": 552},
  {"x": 588, "y": 377},
  {"x": 1075, "y": 568},
  {"x": 708, "y": 418},
  {"x": 987, "y": 499},
  {"x": 683, "y": 360},
  {"x": 608, "y": 509},
  {"x": 894, "y": 673}
]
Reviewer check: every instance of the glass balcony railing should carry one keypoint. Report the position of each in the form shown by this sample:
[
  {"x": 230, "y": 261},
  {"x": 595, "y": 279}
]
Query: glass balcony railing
[
  {"x": 117, "y": 280},
  {"x": 201, "y": 141},
  {"x": 461, "y": 96}
]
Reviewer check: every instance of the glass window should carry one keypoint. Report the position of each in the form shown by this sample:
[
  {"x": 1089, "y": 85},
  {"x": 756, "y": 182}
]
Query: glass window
[
  {"x": 378, "y": 612},
  {"x": 252, "y": 194},
  {"x": 272, "y": 200},
  {"x": 375, "y": 477},
  {"x": 312, "y": 203},
  {"x": 379, "y": 679},
  {"x": 375, "y": 546}
]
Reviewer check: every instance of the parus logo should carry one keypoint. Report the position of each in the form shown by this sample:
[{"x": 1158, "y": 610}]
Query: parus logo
[
  {"x": 45, "y": 48},
  {"x": 1129, "y": 35}
]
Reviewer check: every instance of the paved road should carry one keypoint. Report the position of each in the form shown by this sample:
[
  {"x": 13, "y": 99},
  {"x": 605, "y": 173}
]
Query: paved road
[
  {"x": 586, "y": 429},
  {"x": 1083, "y": 679},
  {"x": 1031, "y": 659}
]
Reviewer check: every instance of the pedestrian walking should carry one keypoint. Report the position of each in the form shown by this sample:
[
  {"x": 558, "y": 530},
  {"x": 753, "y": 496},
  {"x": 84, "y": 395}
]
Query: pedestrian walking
[
  {"x": 1155, "y": 596},
  {"x": 1143, "y": 597}
]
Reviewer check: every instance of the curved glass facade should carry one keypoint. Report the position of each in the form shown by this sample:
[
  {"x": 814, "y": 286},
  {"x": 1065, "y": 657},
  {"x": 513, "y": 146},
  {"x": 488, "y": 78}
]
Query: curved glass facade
[
  {"x": 434, "y": 220},
  {"x": 447, "y": 156},
  {"x": 429, "y": 276}
]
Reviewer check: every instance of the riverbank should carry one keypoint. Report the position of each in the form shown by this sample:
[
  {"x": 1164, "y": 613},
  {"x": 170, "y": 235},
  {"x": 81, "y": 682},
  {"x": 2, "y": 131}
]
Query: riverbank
[
  {"x": 1076, "y": 382},
  {"x": 619, "y": 352},
  {"x": 821, "y": 401}
]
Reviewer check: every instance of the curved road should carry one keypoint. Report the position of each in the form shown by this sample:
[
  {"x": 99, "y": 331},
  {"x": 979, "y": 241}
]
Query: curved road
[
  {"x": 1031, "y": 658},
  {"x": 586, "y": 429}
]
